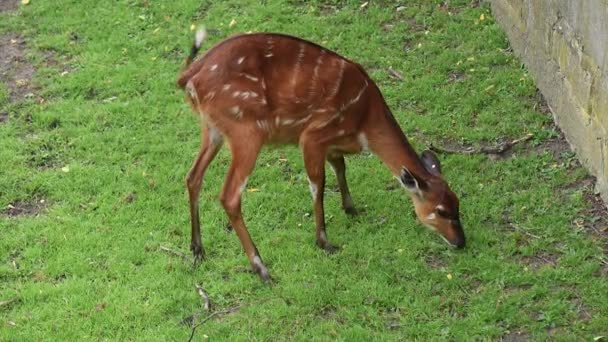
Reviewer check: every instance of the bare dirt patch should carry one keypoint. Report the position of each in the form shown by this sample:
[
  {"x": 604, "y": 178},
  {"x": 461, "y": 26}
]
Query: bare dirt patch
[
  {"x": 8, "y": 5},
  {"x": 31, "y": 207},
  {"x": 15, "y": 71},
  {"x": 540, "y": 260},
  {"x": 515, "y": 336}
]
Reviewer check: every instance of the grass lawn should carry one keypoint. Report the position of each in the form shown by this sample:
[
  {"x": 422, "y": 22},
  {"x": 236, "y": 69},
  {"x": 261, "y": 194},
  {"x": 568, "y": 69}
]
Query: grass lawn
[{"x": 94, "y": 148}]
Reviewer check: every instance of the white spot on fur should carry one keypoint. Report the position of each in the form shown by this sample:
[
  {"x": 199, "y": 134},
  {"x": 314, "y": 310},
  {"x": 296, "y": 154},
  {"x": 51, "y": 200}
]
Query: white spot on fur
[
  {"x": 215, "y": 137},
  {"x": 192, "y": 91},
  {"x": 243, "y": 186},
  {"x": 213, "y": 67},
  {"x": 263, "y": 84},
  {"x": 263, "y": 125},
  {"x": 362, "y": 139},
  {"x": 341, "y": 132},
  {"x": 431, "y": 216},
  {"x": 277, "y": 121},
  {"x": 303, "y": 120},
  {"x": 240, "y": 60},
  {"x": 226, "y": 87},
  {"x": 440, "y": 207},
  {"x": 210, "y": 95},
  {"x": 320, "y": 110},
  {"x": 249, "y": 77},
  {"x": 244, "y": 94},
  {"x": 287, "y": 122},
  {"x": 313, "y": 189},
  {"x": 236, "y": 111}
]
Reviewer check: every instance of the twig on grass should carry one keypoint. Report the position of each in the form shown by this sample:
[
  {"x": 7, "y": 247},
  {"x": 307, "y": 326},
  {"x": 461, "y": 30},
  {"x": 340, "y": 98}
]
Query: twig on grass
[
  {"x": 174, "y": 252},
  {"x": 8, "y": 302},
  {"x": 217, "y": 313},
  {"x": 395, "y": 74},
  {"x": 496, "y": 150},
  {"x": 520, "y": 229}
]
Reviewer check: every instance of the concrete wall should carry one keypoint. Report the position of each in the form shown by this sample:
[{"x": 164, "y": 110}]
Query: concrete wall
[{"x": 564, "y": 44}]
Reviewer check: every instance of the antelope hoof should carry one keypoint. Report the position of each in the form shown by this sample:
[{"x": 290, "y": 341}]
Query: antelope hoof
[
  {"x": 198, "y": 252},
  {"x": 328, "y": 247},
  {"x": 351, "y": 211},
  {"x": 261, "y": 270}
]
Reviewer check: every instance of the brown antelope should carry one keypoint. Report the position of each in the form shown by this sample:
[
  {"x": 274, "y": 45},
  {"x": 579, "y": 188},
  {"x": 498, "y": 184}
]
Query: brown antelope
[{"x": 263, "y": 88}]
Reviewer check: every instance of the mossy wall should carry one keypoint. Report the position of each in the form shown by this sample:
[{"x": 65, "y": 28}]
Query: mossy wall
[{"x": 564, "y": 44}]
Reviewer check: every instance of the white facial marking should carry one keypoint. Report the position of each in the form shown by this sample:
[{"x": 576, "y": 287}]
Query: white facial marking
[
  {"x": 213, "y": 67},
  {"x": 313, "y": 189},
  {"x": 236, "y": 111},
  {"x": 362, "y": 139},
  {"x": 440, "y": 207},
  {"x": 431, "y": 216},
  {"x": 240, "y": 60},
  {"x": 444, "y": 239}
]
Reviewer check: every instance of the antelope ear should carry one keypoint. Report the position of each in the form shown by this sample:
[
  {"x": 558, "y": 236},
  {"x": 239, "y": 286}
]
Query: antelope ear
[
  {"x": 409, "y": 181},
  {"x": 431, "y": 163}
]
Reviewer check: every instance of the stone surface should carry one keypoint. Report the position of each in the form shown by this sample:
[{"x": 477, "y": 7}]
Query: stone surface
[{"x": 564, "y": 44}]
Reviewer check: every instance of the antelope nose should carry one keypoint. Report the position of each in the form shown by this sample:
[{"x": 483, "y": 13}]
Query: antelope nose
[{"x": 459, "y": 243}]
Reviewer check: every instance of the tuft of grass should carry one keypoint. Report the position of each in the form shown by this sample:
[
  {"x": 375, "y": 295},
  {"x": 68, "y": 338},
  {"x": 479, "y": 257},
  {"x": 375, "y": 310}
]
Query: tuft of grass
[{"x": 108, "y": 148}]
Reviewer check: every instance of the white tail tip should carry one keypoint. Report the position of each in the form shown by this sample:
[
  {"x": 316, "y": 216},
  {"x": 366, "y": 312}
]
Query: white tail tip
[{"x": 200, "y": 36}]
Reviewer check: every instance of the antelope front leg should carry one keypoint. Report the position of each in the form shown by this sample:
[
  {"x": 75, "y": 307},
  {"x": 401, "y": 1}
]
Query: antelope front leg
[
  {"x": 337, "y": 163},
  {"x": 314, "y": 161},
  {"x": 244, "y": 154},
  {"x": 211, "y": 144}
]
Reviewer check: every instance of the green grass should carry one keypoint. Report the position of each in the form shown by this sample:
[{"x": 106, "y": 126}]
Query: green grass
[{"x": 89, "y": 265}]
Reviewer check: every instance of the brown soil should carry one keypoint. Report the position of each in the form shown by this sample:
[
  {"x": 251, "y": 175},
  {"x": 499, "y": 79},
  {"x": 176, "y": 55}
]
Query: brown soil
[
  {"x": 8, "y": 5},
  {"x": 541, "y": 259},
  {"x": 15, "y": 71},
  {"x": 31, "y": 207},
  {"x": 515, "y": 336}
]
